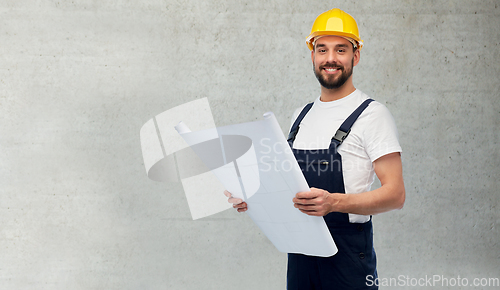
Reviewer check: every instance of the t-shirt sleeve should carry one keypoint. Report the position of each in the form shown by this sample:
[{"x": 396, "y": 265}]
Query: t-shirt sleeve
[{"x": 381, "y": 134}]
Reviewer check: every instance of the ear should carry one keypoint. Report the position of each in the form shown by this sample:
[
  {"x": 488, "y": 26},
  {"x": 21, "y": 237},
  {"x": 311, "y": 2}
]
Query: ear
[
  {"x": 357, "y": 56},
  {"x": 312, "y": 56}
]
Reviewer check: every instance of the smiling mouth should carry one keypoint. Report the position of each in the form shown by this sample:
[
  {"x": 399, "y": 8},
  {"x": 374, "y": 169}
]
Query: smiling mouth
[{"x": 331, "y": 69}]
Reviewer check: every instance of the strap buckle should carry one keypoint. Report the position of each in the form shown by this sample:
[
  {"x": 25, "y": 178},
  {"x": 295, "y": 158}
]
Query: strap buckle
[
  {"x": 341, "y": 135},
  {"x": 291, "y": 136}
]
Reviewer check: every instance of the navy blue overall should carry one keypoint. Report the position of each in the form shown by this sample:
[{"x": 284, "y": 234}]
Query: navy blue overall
[{"x": 355, "y": 260}]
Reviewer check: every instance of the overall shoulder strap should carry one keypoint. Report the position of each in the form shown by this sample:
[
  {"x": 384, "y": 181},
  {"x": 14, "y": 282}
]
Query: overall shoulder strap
[
  {"x": 345, "y": 128},
  {"x": 295, "y": 127}
]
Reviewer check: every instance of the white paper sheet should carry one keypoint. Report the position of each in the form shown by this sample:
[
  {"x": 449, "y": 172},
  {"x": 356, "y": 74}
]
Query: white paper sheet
[
  {"x": 168, "y": 158},
  {"x": 254, "y": 162}
]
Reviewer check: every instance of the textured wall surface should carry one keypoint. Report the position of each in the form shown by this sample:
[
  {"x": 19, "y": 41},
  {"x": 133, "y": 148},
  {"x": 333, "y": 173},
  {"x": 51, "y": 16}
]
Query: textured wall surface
[{"x": 79, "y": 78}]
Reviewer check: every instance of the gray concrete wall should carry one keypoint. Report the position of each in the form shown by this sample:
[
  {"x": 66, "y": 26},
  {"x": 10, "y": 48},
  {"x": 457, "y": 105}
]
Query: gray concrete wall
[{"x": 79, "y": 78}]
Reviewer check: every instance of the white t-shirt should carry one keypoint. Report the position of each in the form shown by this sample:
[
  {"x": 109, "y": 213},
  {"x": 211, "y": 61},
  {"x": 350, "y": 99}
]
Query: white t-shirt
[{"x": 372, "y": 136}]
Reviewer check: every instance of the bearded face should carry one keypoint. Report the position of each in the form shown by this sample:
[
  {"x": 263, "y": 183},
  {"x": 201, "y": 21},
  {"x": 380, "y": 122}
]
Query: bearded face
[{"x": 333, "y": 75}]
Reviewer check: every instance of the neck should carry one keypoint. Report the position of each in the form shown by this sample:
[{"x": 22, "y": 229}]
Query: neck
[{"x": 328, "y": 95}]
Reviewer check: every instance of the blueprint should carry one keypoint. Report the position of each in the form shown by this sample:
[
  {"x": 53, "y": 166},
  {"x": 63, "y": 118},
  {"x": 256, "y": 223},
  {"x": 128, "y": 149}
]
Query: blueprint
[
  {"x": 254, "y": 162},
  {"x": 251, "y": 160}
]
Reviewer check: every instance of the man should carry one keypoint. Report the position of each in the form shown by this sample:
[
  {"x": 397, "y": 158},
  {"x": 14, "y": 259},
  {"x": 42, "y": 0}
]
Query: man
[{"x": 340, "y": 141}]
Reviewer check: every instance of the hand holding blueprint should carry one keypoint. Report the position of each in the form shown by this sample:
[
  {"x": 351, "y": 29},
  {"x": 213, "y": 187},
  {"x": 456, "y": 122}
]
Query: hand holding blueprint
[{"x": 254, "y": 162}]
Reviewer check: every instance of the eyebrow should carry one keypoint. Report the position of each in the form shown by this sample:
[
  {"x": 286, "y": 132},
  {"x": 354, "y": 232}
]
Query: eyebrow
[{"x": 336, "y": 46}]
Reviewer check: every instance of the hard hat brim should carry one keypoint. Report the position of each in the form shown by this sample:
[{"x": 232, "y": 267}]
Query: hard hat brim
[{"x": 312, "y": 36}]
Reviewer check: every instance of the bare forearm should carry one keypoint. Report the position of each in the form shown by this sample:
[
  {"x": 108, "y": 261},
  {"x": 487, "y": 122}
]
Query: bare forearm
[
  {"x": 377, "y": 201},
  {"x": 391, "y": 195}
]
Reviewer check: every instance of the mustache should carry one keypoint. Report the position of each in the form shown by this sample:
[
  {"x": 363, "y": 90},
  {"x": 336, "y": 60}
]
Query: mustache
[{"x": 332, "y": 65}]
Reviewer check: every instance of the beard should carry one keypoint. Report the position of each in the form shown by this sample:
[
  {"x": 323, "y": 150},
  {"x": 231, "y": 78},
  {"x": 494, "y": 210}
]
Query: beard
[{"x": 332, "y": 82}]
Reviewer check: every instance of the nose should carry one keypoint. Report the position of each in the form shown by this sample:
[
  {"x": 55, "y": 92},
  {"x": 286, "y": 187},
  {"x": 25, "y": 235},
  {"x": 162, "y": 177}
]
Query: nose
[{"x": 331, "y": 56}]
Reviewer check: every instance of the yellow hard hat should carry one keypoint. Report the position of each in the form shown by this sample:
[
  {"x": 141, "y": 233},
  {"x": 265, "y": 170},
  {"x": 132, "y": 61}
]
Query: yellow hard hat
[{"x": 334, "y": 22}]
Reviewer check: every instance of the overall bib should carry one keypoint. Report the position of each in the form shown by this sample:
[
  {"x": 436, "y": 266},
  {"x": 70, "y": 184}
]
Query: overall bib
[{"x": 355, "y": 260}]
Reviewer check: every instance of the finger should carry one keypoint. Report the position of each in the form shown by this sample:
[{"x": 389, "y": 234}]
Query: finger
[
  {"x": 234, "y": 200},
  {"x": 300, "y": 200},
  {"x": 302, "y": 194},
  {"x": 303, "y": 201},
  {"x": 307, "y": 194},
  {"x": 227, "y": 193},
  {"x": 240, "y": 205},
  {"x": 307, "y": 208}
]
